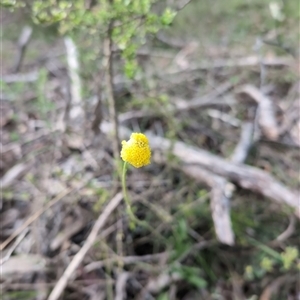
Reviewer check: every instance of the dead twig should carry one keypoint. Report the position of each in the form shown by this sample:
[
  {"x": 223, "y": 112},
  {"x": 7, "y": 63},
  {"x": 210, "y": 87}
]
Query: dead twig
[
  {"x": 220, "y": 193},
  {"x": 249, "y": 61},
  {"x": 13, "y": 247},
  {"x": 266, "y": 113},
  {"x": 24, "y": 264},
  {"x": 121, "y": 286},
  {"x": 97, "y": 115},
  {"x": 19, "y": 77},
  {"x": 76, "y": 112},
  {"x": 288, "y": 232},
  {"x": 241, "y": 150},
  {"x": 14, "y": 173},
  {"x": 33, "y": 217},
  {"x": 162, "y": 281},
  {"x": 77, "y": 259},
  {"x": 108, "y": 53},
  {"x": 22, "y": 45},
  {"x": 224, "y": 117},
  {"x": 245, "y": 176},
  {"x": 273, "y": 287},
  {"x": 222, "y": 189},
  {"x": 220, "y": 197}
]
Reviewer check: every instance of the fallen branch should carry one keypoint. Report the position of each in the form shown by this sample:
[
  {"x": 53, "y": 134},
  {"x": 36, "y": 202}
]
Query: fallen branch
[
  {"x": 222, "y": 189},
  {"x": 13, "y": 247},
  {"x": 22, "y": 45},
  {"x": 21, "y": 77},
  {"x": 288, "y": 232},
  {"x": 250, "y": 61},
  {"x": 220, "y": 193},
  {"x": 240, "y": 152},
  {"x": 32, "y": 218},
  {"x": 245, "y": 176},
  {"x": 113, "y": 114},
  {"x": 13, "y": 174},
  {"x": 156, "y": 285},
  {"x": 266, "y": 112},
  {"x": 76, "y": 110},
  {"x": 77, "y": 259},
  {"x": 274, "y": 286},
  {"x": 224, "y": 117},
  {"x": 121, "y": 285}
]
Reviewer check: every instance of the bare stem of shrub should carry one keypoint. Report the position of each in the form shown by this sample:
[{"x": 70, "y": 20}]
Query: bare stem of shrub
[{"x": 110, "y": 91}]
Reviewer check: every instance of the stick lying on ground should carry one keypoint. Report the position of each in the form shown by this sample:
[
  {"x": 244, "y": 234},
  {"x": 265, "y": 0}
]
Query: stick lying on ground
[
  {"x": 77, "y": 259},
  {"x": 245, "y": 176},
  {"x": 22, "y": 44},
  {"x": 221, "y": 189},
  {"x": 76, "y": 111},
  {"x": 266, "y": 112},
  {"x": 219, "y": 200}
]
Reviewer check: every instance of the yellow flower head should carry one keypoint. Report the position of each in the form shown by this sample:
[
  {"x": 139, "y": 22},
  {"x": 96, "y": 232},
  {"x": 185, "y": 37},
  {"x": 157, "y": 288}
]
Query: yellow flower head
[{"x": 136, "y": 151}]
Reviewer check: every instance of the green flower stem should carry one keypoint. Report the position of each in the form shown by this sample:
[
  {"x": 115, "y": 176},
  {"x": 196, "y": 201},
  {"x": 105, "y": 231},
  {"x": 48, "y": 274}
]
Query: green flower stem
[
  {"x": 126, "y": 198},
  {"x": 130, "y": 213}
]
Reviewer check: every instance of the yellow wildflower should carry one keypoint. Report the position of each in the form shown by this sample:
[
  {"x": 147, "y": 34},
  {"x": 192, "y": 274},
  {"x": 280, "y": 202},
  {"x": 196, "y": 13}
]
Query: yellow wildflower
[{"x": 136, "y": 151}]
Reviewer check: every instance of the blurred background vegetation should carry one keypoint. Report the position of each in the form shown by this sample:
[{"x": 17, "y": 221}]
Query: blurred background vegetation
[{"x": 69, "y": 69}]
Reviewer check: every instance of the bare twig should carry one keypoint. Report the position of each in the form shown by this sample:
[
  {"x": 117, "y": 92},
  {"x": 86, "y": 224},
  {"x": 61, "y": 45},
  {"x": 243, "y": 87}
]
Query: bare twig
[
  {"x": 97, "y": 115},
  {"x": 62, "y": 282},
  {"x": 22, "y": 44},
  {"x": 249, "y": 61},
  {"x": 220, "y": 206},
  {"x": 13, "y": 247},
  {"x": 266, "y": 112},
  {"x": 180, "y": 5},
  {"x": 121, "y": 286},
  {"x": 76, "y": 112},
  {"x": 110, "y": 90},
  {"x": 274, "y": 286},
  {"x": 155, "y": 285},
  {"x": 220, "y": 193},
  {"x": 23, "y": 264},
  {"x": 33, "y": 217},
  {"x": 222, "y": 189},
  {"x": 226, "y": 118},
  {"x": 245, "y": 176},
  {"x": 241, "y": 150},
  {"x": 291, "y": 117},
  {"x": 14, "y": 173},
  {"x": 21, "y": 77},
  {"x": 288, "y": 232}
]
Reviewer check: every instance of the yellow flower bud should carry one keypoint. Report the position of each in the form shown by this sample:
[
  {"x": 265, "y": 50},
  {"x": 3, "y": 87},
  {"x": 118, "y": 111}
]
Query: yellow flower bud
[{"x": 136, "y": 151}]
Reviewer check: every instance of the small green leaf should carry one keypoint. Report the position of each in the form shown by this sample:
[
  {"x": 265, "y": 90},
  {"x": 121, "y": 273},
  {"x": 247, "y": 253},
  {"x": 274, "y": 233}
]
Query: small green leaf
[{"x": 168, "y": 16}]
